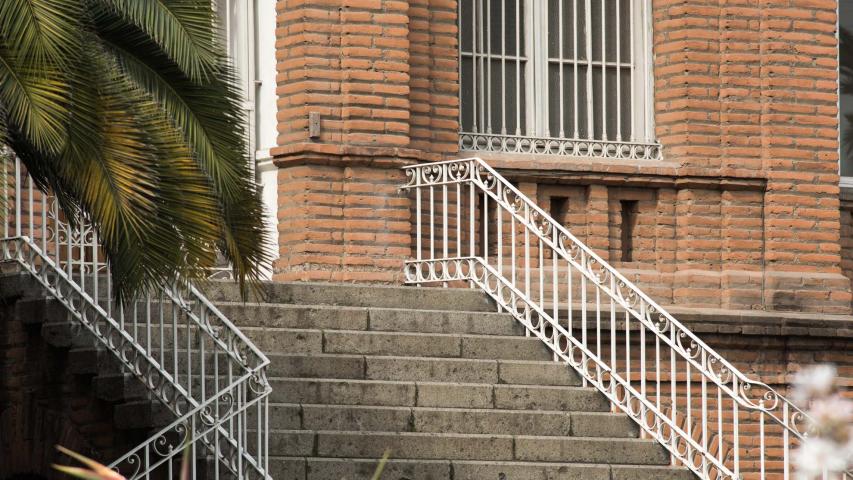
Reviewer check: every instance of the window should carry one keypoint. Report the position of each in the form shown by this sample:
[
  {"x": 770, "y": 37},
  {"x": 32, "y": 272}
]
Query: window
[{"x": 568, "y": 77}]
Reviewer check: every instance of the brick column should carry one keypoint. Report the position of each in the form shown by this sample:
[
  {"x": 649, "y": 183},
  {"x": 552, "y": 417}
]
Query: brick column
[
  {"x": 351, "y": 62},
  {"x": 748, "y": 90}
]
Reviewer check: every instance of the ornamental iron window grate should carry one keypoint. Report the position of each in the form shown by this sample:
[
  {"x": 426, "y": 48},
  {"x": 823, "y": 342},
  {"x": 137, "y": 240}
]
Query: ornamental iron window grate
[{"x": 566, "y": 77}]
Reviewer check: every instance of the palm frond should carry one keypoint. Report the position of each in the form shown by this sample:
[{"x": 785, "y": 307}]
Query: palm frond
[
  {"x": 184, "y": 29},
  {"x": 139, "y": 130},
  {"x": 35, "y": 99},
  {"x": 208, "y": 115},
  {"x": 41, "y": 31}
]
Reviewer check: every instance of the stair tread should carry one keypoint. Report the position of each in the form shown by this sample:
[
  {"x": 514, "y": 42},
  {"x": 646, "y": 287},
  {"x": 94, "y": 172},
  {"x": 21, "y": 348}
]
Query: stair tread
[{"x": 639, "y": 441}]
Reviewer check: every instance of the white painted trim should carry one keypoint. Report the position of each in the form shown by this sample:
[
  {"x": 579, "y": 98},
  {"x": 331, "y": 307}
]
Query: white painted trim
[{"x": 846, "y": 182}]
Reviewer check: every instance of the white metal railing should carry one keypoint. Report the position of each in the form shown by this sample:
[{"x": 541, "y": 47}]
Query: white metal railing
[
  {"x": 567, "y": 77},
  {"x": 472, "y": 225},
  {"x": 185, "y": 351}
]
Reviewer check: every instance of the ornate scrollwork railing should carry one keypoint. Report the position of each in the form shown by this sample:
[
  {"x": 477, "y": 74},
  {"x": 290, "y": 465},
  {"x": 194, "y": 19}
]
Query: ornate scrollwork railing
[
  {"x": 473, "y": 226},
  {"x": 185, "y": 351}
]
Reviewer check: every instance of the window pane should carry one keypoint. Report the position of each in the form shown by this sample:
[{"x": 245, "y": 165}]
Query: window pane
[
  {"x": 465, "y": 30},
  {"x": 590, "y": 94}
]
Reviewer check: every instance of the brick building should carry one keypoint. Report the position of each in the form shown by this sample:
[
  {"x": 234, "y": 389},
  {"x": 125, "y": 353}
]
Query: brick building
[
  {"x": 701, "y": 158},
  {"x": 692, "y": 144}
]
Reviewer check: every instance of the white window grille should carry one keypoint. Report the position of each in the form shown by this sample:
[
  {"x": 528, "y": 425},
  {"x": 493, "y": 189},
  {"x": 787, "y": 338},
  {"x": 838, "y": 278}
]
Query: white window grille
[{"x": 565, "y": 77}]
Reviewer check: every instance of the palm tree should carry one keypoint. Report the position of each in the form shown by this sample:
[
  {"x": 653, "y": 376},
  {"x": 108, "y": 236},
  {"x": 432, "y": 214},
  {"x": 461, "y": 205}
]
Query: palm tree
[{"x": 126, "y": 111}]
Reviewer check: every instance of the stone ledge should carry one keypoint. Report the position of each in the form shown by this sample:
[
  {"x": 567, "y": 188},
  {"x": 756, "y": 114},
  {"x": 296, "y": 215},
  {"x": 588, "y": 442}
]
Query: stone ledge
[{"x": 750, "y": 322}]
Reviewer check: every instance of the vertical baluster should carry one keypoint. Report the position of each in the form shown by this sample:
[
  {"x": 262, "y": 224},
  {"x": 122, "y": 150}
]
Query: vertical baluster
[
  {"x": 689, "y": 412},
  {"x": 512, "y": 247},
  {"x": 761, "y": 451},
  {"x": 642, "y": 356},
  {"x": 583, "y": 308},
  {"x": 555, "y": 292},
  {"x": 30, "y": 216},
  {"x": 4, "y": 175},
  {"x": 190, "y": 357},
  {"x": 575, "y": 31},
  {"x": 175, "y": 341},
  {"x": 786, "y": 446},
  {"x": 569, "y": 268},
  {"x": 598, "y": 321},
  {"x": 266, "y": 434},
  {"x": 482, "y": 59},
  {"x": 445, "y": 224},
  {"x": 17, "y": 198},
  {"x": 627, "y": 348},
  {"x": 632, "y": 51},
  {"x": 518, "y": 67},
  {"x": 459, "y": 219},
  {"x": 560, "y": 65},
  {"x": 474, "y": 79},
  {"x": 472, "y": 216},
  {"x": 588, "y": 33},
  {"x": 527, "y": 262},
  {"x": 57, "y": 228},
  {"x": 612, "y": 336},
  {"x": 487, "y": 57},
  {"x": 657, "y": 375},
  {"x": 418, "y": 222},
  {"x": 618, "y": 72},
  {"x": 201, "y": 355},
  {"x": 162, "y": 331},
  {"x": 720, "y": 425},
  {"x": 603, "y": 71},
  {"x": 672, "y": 379},
  {"x": 541, "y": 266},
  {"x": 704, "y": 406},
  {"x": 431, "y": 222},
  {"x": 485, "y": 222},
  {"x": 148, "y": 322},
  {"x": 503, "y": 67},
  {"x": 499, "y": 227},
  {"x": 216, "y": 406}
]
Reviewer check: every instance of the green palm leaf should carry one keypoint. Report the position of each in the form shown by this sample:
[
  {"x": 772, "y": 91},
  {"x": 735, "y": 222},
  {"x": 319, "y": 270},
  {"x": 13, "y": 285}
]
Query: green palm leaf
[{"x": 135, "y": 124}]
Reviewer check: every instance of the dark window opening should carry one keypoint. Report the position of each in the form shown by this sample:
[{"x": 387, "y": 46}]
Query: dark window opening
[
  {"x": 629, "y": 222},
  {"x": 559, "y": 210}
]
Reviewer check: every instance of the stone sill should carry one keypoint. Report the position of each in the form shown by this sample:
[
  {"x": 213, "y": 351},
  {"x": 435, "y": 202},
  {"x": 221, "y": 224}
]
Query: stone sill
[{"x": 660, "y": 173}]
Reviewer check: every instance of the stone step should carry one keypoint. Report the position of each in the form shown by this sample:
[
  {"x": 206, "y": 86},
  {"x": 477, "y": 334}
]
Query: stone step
[
  {"x": 65, "y": 334},
  {"x": 456, "y": 420},
  {"x": 330, "y": 317},
  {"x": 313, "y": 468},
  {"x": 306, "y": 293},
  {"x": 432, "y": 394},
  {"x": 119, "y": 386},
  {"x": 498, "y": 347},
  {"x": 142, "y": 414},
  {"x": 426, "y": 369},
  {"x": 455, "y": 446}
]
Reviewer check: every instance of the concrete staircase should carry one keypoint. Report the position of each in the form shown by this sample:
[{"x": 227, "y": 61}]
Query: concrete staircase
[{"x": 454, "y": 390}]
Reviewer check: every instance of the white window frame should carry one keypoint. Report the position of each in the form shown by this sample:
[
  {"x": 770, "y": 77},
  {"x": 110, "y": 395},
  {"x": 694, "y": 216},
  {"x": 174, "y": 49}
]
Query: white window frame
[
  {"x": 249, "y": 30},
  {"x": 538, "y": 138}
]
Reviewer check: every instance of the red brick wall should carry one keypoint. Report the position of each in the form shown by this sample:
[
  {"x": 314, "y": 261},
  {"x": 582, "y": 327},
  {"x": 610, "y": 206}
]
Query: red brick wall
[
  {"x": 748, "y": 89},
  {"x": 382, "y": 75},
  {"x": 741, "y": 213}
]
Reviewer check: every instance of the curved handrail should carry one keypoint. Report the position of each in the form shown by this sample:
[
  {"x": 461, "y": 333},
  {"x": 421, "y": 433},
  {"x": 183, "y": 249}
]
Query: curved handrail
[
  {"x": 178, "y": 344},
  {"x": 486, "y": 183}
]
